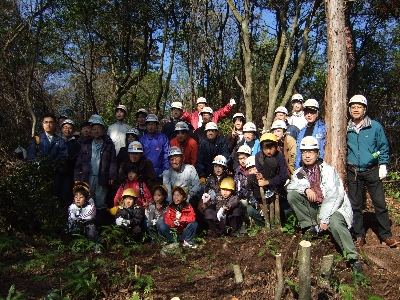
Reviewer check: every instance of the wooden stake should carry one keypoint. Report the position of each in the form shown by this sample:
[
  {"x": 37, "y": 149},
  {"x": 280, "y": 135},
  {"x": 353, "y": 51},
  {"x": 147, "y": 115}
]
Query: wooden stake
[
  {"x": 272, "y": 214},
  {"x": 325, "y": 271},
  {"x": 264, "y": 209},
  {"x": 277, "y": 211},
  {"x": 304, "y": 270},
  {"x": 279, "y": 276},
  {"x": 238, "y": 274}
]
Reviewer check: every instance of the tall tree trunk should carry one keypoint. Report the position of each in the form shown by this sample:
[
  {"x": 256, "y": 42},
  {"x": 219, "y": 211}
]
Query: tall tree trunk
[
  {"x": 351, "y": 52},
  {"x": 336, "y": 87}
]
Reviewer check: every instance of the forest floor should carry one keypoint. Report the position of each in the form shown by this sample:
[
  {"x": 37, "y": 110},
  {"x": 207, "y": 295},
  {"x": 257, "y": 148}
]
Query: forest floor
[{"x": 47, "y": 268}]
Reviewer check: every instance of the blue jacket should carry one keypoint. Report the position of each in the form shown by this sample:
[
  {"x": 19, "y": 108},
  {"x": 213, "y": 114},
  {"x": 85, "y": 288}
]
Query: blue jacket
[
  {"x": 55, "y": 151},
  {"x": 360, "y": 146},
  {"x": 156, "y": 149},
  {"x": 205, "y": 157},
  {"x": 319, "y": 133}
]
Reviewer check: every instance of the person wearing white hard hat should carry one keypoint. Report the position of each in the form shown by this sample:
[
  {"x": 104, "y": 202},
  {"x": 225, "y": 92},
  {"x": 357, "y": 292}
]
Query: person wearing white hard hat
[
  {"x": 200, "y": 133},
  {"x": 317, "y": 195},
  {"x": 367, "y": 160},
  {"x": 131, "y": 135},
  {"x": 97, "y": 165},
  {"x": 65, "y": 179},
  {"x": 141, "y": 116},
  {"x": 186, "y": 143},
  {"x": 181, "y": 174},
  {"x": 210, "y": 147},
  {"x": 281, "y": 113},
  {"x": 176, "y": 116},
  {"x": 144, "y": 166},
  {"x": 195, "y": 118},
  {"x": 249, "y": 139},
  {"x": 236, "y": 136},
  {"x": 118, "y": 130},
  {"x": 155, "y": 146},
  {"x": 315, "y": 127},
  {"x": 286, "y": 144},
  {"x": 297, "y": 118},
  {"x": 48, "y": 143}
]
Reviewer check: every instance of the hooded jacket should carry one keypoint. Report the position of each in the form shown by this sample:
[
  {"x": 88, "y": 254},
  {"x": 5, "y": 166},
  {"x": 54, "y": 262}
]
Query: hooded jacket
[
  {"x": 335, "y": 198},
  {"x": 108, "y": 162},
  {"x": 218, "y": 115}
]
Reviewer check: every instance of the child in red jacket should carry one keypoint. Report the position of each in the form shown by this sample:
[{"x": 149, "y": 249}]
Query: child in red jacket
[
  {"x": 144, "y": 195},
  {"x": 180, "y": 216}
]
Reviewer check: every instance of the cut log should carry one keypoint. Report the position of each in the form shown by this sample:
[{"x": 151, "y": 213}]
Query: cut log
[
  {"x": 325, "y": 271},
  {"x": 304, "y": 270},
  {"x": 279, "y": 276},
  {"x": 238, "y": 274}
]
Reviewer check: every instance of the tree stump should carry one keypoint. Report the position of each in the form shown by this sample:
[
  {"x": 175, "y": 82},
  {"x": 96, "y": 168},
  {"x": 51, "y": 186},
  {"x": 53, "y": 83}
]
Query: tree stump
[
  {"x": 279, "y": 276},
  {"x": 325, "y": 271},
  {"x": 304, "y": 270}
]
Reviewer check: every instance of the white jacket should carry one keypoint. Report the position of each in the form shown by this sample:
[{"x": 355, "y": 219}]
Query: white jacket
[
  {"x": 335, "y": 197},
  {"x": 117, "y": 132},
  {"x": 187, "y": 177},
  {"x": 86, "y": 212},
  {"x": 298, "y": 120}
]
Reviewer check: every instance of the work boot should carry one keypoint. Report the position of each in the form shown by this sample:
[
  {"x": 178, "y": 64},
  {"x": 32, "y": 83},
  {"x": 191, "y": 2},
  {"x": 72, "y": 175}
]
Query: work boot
[
  {"x": 358, "y": 270},
  {"x": 391, "y": 242},
  {"x": 360, "y": 242}
]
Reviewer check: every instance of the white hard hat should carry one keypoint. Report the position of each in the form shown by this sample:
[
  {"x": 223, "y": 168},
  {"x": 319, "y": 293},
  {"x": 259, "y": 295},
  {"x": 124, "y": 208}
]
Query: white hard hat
[
  {"x": 177, "y": 105},
  {"x": 211, "y": 126},
  {"x": 68, "y": 121},
  {"x": 152, "y": 118},
  {"x": 135, "y": 147},
  {"x": 98, "y": 122},
  {"x": 311, "y": 103},
  {"x": 244, "y": 149},
  {"x": 181, "y": 126},
  {"x": 250, "y": 162},
  {"x": 309, "y": 143},
  {"x": 238, "y": 115},
  {"x": 133, "y": 131},
  {"x": 141, "y": 111},
  {"x": 297, "y": 97},
  {"x": 249, "y": 127},
  {"x": 123, "y": 107},
  {"x": 207, "y": 110},
  {"x": 358, "y": 99},
  {"x": 201, "y": 100},
  {"x": 278, "y": 124},
  {"x": 174, "y": 150},
  {"x": 281, "y": 109},
  {"x": 220, "y": 160}
]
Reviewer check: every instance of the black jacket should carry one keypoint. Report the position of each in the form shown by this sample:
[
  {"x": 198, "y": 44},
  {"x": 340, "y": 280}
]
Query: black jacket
[{"x": 206, "y": 156}]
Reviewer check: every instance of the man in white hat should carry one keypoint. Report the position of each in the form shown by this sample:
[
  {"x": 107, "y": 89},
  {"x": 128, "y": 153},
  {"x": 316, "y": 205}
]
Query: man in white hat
[
  {"x": 176, "y": 116},
  {"x": 118, "y": 130}
]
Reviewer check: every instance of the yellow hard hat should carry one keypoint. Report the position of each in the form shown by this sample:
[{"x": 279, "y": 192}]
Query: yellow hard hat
[
  {"x": 129, "y": 192},
  {"x": 227, "y": 184},
  {"x": 113, "y": 210},
  {"x": 268, "y": 137}
]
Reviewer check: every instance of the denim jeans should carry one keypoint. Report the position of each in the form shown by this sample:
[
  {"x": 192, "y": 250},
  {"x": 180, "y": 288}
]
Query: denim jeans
[
  {"x": 356, "y": 183},
  {"x": 188, "y": 233}
]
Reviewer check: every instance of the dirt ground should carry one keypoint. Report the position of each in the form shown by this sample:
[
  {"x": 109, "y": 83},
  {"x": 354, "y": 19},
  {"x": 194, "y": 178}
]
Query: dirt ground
[{"x": 207, "y": 273}]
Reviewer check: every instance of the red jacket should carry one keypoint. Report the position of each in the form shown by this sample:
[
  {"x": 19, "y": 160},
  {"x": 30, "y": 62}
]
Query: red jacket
[
  {"x": 189, "y": 150},
  {"x": 188, "y": 216},
  {"x": 134, "y": 185},
  {"x": 193, "y": 118}
]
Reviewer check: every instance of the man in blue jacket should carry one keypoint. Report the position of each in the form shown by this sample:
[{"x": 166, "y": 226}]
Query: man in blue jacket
[
  {"x": 48, "y": 143},
  {"x": 315, "y": 127},
  {"x": 367, "y": 159},
  {"x": 156, "y": 146}
]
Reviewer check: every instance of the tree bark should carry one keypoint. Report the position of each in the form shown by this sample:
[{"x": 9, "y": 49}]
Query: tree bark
[
  {"x": 279, "y": 277},
  {"x": 304, "y": 270},
  {"x": 336, "y": 88},
  {"x": 325, "y": 271}
]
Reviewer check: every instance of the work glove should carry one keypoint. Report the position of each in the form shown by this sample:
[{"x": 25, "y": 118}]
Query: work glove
[
  {"x": 232, "y": 102},
  {"x": 202, "y": 180},
  {"x": 118, "y": 221},
  {"x": 125, "y": 222},
  {"x": 382, "y": 172},
  {"x": 176, "y": 222},
  {"x": 154, "y": 222},
  {"x": 206, "y": 197},
  {"x": 220, "y": 214}
]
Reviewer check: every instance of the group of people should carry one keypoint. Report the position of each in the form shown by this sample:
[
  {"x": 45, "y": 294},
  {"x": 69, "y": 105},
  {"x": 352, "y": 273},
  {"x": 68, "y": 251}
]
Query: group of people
[{"x": 188, "y": 175}]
